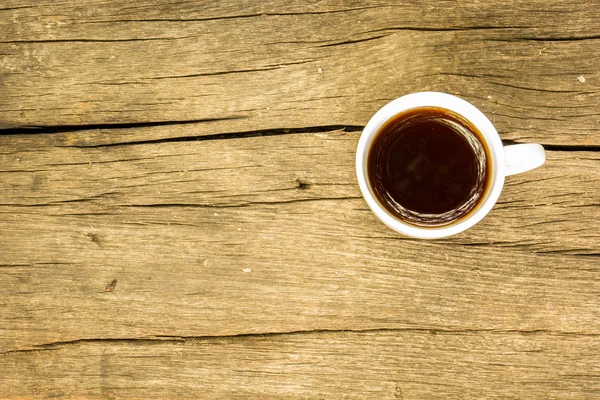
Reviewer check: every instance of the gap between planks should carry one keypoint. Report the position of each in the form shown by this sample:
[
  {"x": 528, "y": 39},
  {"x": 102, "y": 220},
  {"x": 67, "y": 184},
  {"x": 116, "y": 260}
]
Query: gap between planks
[{"x": 60, "y": 129}]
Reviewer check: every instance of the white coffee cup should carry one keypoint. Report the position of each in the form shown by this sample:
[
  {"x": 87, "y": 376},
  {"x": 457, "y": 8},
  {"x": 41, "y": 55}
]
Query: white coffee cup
[{"x": 505, "y": 160}]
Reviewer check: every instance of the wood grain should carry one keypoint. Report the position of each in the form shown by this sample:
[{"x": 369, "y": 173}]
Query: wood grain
[
  {"x": 180, "y": 217},
  {"x": 550, "y": 209},
  {"x": 270, "y": 234},
  {"x": 401, "y": 364},
  {"x": 532, "y": 66}
]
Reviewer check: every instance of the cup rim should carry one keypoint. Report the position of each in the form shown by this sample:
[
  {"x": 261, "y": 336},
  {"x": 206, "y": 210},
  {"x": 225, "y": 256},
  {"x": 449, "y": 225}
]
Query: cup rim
[{"x": 465, "y": 110}]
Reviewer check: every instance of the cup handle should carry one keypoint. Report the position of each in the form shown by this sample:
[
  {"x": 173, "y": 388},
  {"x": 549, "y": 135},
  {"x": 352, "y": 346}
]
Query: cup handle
[{"x": 523, "y": 157}]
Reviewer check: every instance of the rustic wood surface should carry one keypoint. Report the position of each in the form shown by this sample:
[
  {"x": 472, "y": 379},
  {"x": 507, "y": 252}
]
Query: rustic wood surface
[{"x": 180, "y": 217}]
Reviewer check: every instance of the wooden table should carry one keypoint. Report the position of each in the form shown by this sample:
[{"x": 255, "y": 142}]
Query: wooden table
[{"x": 180, "y": 216}]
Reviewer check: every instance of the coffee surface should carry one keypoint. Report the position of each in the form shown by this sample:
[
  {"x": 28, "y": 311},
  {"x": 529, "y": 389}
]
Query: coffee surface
[{"x": 428, "y": 166}]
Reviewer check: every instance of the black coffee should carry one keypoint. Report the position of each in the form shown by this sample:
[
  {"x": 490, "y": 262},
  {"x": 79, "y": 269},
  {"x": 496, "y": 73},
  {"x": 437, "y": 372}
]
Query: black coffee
[{"x": 428, "y": 166}]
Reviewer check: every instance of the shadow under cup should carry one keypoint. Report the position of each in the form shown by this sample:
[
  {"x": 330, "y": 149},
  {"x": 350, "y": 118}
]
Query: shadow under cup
[{"x": 429, "y": 167}]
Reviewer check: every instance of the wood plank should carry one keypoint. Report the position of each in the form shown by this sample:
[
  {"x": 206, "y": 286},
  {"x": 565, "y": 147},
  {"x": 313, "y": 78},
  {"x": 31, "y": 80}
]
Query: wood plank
[
  {"x": 270, "y": 234},
  {"x": 549, "y": 209},
  {"x": 350, "y": 365},
  {"x": 531, "y": 66}
]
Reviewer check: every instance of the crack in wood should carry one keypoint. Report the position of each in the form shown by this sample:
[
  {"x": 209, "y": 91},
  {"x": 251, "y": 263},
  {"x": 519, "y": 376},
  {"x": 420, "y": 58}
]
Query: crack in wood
[
  {"x": 49, "y": 129},
  {"x": 182, "y": 205},
  {"x": 162, "y": 339},
  {"x": 448, "y": 29},
  {"x": 556, "y": 147},
  {"x": 234, "y": 135},
  {"x": 247, "y": 204},
  {"x": 83, "y": 40},
  {"x": 240, "y": 71},
  {"x": 559, "y": 39},
  {"x": 226, "y": 17},
  {"x": 353, "y": 41},
  {"x": 40, "y": 130}
]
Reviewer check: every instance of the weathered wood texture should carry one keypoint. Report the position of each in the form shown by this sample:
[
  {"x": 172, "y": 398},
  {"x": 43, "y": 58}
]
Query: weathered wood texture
[
  {"x": 531, "y": 65},
  {"x": 379, "y": 365},
  {"x": 269, "y": 234},
  {"x": 554, "y": 208},
  {"x": 188, "y": 224}
]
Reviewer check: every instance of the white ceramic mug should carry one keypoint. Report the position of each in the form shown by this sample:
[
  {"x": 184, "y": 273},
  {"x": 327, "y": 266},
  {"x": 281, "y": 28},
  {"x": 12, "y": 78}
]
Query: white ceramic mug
[{"x": 506, "y": 160}]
